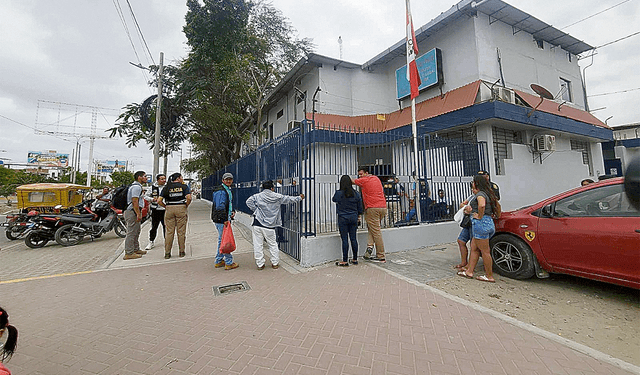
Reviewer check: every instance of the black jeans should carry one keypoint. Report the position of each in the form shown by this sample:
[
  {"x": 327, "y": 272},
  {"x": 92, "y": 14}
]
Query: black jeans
[
  {"x": 157, "y": 217},
  {"x": 348, "y": 225}
]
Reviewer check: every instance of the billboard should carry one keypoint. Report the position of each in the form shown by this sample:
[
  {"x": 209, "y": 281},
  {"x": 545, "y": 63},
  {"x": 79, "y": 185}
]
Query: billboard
[
  {"x": 47, "y": 159},
  {"x": 110, "y": 166},
  {"x": 429, "y": 68}
]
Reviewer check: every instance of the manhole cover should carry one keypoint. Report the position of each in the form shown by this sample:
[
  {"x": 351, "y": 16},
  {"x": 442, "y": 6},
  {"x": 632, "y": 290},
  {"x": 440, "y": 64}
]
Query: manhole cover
[{"x": 231, "y": 288}]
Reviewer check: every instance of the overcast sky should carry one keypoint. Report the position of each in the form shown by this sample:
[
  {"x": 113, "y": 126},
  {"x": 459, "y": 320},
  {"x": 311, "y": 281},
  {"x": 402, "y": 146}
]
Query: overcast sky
[{"x": 60, "y": 58}]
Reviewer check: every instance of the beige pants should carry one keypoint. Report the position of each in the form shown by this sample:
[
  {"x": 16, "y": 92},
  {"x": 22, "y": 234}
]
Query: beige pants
[
  {"x": 175, "y": 217},
  {"x": 373, "y": 216}
]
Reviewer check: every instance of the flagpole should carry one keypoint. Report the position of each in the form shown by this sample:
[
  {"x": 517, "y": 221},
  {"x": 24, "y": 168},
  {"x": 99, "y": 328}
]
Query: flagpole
[{"x": 414, "y": 131}]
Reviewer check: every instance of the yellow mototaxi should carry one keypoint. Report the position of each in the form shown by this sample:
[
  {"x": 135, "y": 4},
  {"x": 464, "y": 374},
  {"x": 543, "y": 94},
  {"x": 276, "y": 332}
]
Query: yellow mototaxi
[{"x": 43, "y": 197}]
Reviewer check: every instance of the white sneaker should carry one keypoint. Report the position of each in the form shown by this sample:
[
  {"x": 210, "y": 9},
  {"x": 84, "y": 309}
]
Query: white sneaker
[{"x": 150, "y": 245}]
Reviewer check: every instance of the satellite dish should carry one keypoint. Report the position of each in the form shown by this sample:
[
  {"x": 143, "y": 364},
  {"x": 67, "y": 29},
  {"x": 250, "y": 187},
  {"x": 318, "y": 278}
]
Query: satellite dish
[{"x": 543, "y": 93}]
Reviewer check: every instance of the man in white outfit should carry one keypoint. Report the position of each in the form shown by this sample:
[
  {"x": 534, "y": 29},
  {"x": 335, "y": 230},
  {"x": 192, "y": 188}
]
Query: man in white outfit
[{"x": 266, "y": 218}]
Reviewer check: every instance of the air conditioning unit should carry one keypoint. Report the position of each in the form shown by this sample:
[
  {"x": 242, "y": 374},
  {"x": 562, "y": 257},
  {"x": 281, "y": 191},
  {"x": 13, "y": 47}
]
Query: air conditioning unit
[
  {"x": 544, "y": 142},
  {"x": 294, "y": 124},
  {"x": 504, "y": 94}
]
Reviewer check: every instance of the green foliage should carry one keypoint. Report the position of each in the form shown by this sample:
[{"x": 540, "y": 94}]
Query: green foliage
[
  {"x": 239, "y": 51},
  {"x": 10, "y": 179},
  {"x": 121, "y": 178}
]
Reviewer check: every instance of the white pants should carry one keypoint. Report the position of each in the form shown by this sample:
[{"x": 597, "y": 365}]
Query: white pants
[{"x": 260, "y": 234}]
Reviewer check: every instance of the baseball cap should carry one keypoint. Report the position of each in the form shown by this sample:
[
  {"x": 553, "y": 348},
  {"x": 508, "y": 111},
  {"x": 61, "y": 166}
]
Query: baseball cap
[
  {"x": 227, "y": 175},
  {"x": 482, "y": 172}
]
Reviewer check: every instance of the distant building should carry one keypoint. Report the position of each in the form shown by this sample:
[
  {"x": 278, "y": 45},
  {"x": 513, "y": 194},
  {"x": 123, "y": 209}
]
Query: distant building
[{"x": 625, "y": 146}]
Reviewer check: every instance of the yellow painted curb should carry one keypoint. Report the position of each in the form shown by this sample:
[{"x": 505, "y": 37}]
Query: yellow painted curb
[{"x": 43, "y": 277}]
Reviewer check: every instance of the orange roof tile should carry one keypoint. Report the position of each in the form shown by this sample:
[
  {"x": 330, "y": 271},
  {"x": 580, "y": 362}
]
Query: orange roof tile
[
  {"x": 451, "y": 101},
  {"x": 549, "y": 106}
]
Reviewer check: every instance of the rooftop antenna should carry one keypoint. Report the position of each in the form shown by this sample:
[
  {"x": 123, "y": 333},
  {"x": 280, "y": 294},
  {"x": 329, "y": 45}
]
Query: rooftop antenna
[
  {"x": 543, "y": 93},
  {"x": 340, "y": 43}
]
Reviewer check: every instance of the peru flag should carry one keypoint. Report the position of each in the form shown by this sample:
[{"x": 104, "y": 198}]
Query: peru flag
[{"x": 412, "y": 51}]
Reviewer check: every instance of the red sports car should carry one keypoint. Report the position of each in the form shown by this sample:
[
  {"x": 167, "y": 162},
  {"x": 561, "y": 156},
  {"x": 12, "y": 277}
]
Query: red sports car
[{"x": 592, "y": 232}]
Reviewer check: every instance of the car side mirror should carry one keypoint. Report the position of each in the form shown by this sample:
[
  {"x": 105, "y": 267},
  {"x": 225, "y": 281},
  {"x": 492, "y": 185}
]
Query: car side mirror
[{"x": 547, "y": 211}]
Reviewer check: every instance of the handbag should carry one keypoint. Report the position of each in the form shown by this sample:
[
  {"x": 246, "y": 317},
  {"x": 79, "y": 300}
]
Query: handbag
[
  {"x": 464, "y": 220},
  {"x": 228, "y": 243}
]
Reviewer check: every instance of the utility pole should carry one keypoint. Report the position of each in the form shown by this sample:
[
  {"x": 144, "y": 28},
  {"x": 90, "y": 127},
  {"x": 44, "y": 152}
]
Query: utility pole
[{"x": 156, "y": 144}]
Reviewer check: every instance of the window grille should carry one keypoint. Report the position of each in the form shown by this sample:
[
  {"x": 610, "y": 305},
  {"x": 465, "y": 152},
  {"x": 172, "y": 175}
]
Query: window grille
[
  {"x": 502, "y": 138},
  {"x": 583, "y": 147}
]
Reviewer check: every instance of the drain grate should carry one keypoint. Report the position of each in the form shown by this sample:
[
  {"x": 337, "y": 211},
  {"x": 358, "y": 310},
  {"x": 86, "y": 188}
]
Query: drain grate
[{"x": 231, "y": 288}]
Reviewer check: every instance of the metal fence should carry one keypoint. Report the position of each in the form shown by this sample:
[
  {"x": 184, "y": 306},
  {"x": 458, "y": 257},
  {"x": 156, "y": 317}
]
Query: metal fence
[{"x": 311, "y": 160}]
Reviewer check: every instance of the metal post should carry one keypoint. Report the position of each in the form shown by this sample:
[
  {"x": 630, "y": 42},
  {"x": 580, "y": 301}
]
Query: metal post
[
  {"x": 156, "y": 144},
  {"x": 414, "y": 130}
]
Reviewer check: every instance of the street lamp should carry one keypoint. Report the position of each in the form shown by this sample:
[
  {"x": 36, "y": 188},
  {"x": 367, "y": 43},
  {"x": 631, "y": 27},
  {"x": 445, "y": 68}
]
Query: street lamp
[{"x": 156, "y": 143}]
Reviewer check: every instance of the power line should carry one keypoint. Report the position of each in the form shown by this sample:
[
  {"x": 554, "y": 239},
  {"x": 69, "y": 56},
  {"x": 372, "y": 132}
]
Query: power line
[
  {"x": 140, "y": 31},
  {"x": 593, "y": 15},
  {"x": 116, "y": 3},
  {"x": 614, "y": 92},
  {"x": 618, "y": 40}
]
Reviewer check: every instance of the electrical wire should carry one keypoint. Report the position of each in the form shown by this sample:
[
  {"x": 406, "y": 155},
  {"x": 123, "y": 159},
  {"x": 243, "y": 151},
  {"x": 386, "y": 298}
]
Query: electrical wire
[
  {"x": 618, "y": 40},
  {"x": 116, "y": 3},
  {"x": 595, "y": 14},
  {"x": 614, "y": 92},
  {"x": 135, "y": 20}
]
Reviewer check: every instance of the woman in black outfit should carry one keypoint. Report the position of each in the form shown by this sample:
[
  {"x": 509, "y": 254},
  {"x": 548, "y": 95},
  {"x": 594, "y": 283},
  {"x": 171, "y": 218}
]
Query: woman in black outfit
[{"x": 349, "y": 208}]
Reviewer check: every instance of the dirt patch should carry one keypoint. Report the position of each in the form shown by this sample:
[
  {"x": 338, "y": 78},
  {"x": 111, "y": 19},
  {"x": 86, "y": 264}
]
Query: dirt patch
[{"x": 599, "y": 315}]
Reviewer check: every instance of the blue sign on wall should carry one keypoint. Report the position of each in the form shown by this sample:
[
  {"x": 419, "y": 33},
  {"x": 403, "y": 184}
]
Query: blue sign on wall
[{"x": 429, "y": 68}]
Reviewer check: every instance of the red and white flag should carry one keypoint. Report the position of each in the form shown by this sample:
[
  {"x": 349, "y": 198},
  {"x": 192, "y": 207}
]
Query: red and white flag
[{"x": 412, "y": 51}]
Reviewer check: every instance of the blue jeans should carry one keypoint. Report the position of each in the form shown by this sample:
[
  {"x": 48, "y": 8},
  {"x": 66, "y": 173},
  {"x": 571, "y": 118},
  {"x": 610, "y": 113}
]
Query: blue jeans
[
  {"x": 484, "y": 228},
  {"x": 348, "y": 225},
  {"x": 228, "y": 258}
]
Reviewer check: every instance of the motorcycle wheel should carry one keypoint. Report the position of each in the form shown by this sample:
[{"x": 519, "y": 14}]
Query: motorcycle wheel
[
  {"x": 120, "y": 228},
  {"x": 35, "y": 241},
  {"x": 65, "y": 235},
  {"x": 13, "y": 232}
]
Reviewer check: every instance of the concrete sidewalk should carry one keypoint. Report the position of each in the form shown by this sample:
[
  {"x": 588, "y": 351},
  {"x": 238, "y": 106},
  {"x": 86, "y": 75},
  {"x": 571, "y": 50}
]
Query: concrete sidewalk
[{"x": 157, "y": 316}]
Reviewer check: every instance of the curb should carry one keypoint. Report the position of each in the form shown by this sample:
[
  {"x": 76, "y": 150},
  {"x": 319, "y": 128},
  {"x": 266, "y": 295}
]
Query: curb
[{"x": 598, "y": 355}]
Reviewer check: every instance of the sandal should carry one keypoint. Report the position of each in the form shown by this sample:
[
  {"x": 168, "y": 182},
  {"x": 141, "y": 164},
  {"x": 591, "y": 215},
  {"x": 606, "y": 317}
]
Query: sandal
[
  {"x": 485, "y": 279},
  {"x": 342, "y": 264},
  {"x": 460, "y": 267},
  {"x": 464, "y": 274},
  {"x": 353, "y": 261}
]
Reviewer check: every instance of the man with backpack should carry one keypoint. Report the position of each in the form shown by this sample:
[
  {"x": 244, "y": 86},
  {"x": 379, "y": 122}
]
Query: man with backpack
[
  {"x": 221, "y": 213},
  {"x": 157, "y": 211},
  {"x": 133, "y": 217}
]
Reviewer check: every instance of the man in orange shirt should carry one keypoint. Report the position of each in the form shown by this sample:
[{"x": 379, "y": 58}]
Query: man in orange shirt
[{"x": 375, "y": 209}]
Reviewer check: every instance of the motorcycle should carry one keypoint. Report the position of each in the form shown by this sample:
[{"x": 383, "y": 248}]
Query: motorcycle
[
  {"x": 76, "y": 227},
  {"x": 41, "y": 229},
  {"x": 15, "y": 225}
]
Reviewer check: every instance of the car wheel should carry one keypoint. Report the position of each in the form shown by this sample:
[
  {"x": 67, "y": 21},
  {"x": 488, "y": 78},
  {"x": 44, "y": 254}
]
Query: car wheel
[
  {"x": 512, "y": 257},
  {"x": 35, "y": 241},
  {"x": 66, "y": 236}
]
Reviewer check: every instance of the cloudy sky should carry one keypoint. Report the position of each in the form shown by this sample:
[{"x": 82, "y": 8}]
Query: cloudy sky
[{"x": 61, "y": 59}]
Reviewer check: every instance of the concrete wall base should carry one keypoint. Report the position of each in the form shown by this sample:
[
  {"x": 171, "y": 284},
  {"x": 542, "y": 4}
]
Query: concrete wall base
[{"x": 328, "y": 247}]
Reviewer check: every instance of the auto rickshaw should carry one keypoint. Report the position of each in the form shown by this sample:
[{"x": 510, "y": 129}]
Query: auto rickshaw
[{"x": 43, "y": 197}]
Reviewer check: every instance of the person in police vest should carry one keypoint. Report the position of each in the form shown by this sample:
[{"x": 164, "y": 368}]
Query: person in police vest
[
  {"x": 157, "y": 211},
  {"x": 176, "y": 198}
]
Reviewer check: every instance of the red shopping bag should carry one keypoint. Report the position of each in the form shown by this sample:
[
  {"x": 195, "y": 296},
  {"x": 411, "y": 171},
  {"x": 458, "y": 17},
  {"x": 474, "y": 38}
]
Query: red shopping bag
[{"x": 228, "y": 243}]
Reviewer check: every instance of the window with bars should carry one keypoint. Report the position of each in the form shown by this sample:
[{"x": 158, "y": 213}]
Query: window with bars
[
  {"x": 502, "y": 138},
  {"x": 583, "y": 147}
]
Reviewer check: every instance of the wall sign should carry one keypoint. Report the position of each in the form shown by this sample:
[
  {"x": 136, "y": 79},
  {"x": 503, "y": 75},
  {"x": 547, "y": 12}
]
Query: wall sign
[{"x": 429, "y": 68}]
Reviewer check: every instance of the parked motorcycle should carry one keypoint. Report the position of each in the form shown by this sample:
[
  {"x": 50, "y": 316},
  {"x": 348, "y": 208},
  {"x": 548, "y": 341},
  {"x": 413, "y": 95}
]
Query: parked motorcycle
[
  {"x": 15, "y": 225},
  {"x": 41, "y": 229},
  {"x": 76, "y": 227}
]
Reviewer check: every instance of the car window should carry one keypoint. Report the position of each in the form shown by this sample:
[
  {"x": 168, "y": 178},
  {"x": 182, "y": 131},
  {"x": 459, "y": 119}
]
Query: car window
[{"x": 605, "y": 201}]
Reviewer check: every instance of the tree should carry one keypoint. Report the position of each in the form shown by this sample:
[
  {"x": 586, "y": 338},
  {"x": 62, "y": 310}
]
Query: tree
[
  {"x": 137, "y": 122},
  {"x": 122, "y": 178},
  {"x": 239, "y": 51}
]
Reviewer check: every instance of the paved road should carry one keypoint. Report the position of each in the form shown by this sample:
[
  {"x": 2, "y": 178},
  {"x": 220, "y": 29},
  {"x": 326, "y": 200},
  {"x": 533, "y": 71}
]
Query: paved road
[{"x": 153, "y": 316}]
